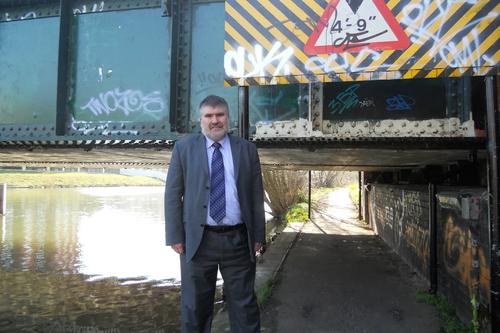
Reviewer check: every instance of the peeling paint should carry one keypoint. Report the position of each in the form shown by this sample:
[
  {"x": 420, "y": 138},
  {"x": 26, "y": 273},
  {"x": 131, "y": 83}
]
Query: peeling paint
[{"x": 448, "y": 127}]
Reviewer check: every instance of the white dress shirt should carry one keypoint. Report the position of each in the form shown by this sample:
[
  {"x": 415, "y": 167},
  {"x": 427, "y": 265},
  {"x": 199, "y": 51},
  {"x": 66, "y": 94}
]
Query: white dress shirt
[{"x": 233, "y": 212}]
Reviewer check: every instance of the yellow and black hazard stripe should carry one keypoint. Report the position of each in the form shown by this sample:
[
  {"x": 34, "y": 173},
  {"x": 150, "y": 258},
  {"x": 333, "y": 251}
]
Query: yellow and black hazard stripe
[{"x": 472, "y": 27}]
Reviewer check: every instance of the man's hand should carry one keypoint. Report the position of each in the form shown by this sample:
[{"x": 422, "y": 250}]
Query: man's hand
[
  {"x": 179, "y": 248},
  {"x": 257, "y": 246}
]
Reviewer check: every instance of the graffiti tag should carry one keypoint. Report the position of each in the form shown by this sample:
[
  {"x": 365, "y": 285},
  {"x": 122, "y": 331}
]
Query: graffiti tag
[
  {"x": 234, "y": 61},
  {"x": 128, "y": 101},
  {"x": 400, "y": 102},
  {"x": 345, "y": 100}
]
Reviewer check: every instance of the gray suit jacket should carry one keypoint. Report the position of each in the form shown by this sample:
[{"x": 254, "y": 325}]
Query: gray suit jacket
[{"x": 188, "y": 190}]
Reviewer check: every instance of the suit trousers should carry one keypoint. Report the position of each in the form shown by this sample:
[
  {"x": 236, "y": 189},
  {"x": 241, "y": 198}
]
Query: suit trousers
[{"x": 229, "y": 252}]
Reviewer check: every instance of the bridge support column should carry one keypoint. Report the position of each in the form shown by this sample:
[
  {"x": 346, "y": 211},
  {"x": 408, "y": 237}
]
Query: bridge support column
[
  {"x": 493, "y": 126},
  {"x": 433, "y": 266},
  {"x": 243, "y": 118},
  {"x": 3, "y": 199}
]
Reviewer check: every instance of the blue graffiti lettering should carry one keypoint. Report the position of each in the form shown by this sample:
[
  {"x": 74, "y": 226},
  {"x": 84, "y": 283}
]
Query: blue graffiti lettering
[{"x": 400, "y": 102}]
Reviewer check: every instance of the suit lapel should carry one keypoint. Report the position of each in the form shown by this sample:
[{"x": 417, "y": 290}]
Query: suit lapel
[
  {"x": 235, "y": 151},
  {"x": 201, "y": 150}
]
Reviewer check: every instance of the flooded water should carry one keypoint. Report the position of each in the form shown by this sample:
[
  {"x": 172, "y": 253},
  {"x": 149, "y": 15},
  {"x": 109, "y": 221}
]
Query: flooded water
[{"x": 88, "y": 260}]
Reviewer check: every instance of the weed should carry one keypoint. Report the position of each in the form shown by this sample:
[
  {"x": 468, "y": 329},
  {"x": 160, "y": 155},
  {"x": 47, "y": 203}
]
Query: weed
[
  {"x": 446, "y": 313},
  {"x": 297, "y": 213},
  {"x": 265, "y": 291}
]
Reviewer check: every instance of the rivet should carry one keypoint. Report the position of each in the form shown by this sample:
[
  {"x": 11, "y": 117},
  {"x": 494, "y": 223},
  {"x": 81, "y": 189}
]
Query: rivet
[
  {"x": 365, "y": 124},
  {"x": 377, "y": 124},
  {"x": 403, "y": 124},
  {"x": 429, "y": 124},
  {"x": 415, "y": 124},
  {"x": 328, "y": 124},
  {"x": 390, "y": 124},
  {"x": 341, "y": 124},
  {"x": 353, "y": 124}
]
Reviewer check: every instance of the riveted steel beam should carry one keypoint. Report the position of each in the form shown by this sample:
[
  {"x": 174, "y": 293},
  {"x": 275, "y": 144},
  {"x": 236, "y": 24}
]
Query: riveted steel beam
[
  {"x": 23, "y": 10},
  {"x": 62, "y": 110},
  {"x": 86, "y": 7},
  {"x": 180, "y": 73}
]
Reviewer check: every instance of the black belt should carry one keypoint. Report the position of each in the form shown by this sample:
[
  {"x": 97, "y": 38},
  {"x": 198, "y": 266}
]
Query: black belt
[{"x": 223, "y": 228}]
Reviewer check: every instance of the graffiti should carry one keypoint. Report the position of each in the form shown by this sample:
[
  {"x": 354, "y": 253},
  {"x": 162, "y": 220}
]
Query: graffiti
[
  {"x": 367, "y": 102},
  {"x": 400, "y": 102},
  {"x": 212, "y": 80},
  {"x": 345, "y": 100},
  {"x": 29, "y": 15},
  {"x": 460, "y": 254},
  {"x": 258, "y": 61},
  {"x": 128, "y": 101},
  {"x": 419, "y": 21},
  {"x": 340, "y": 62},
  {"x": 94, "y": 8}
]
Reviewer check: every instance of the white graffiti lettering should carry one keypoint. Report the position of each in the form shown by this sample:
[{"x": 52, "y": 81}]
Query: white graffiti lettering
[
  {"x": 419, "y": 22},
  {"x": 95, "y": 8},
  {"x": 127, "y": 101},
  {"x": 339, "y": 62},
  {"x": 234, "y": 61}
]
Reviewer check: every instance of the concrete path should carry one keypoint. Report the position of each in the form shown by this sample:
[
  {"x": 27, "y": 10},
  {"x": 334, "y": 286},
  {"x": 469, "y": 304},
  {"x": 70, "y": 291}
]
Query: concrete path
[
  {"x": 341, "y": 278},
  {"x": 338, "y": 277}
]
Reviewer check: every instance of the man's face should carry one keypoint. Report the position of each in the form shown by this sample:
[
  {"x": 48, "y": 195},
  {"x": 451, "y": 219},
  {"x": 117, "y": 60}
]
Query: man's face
[{"x": 214, "y": 122}]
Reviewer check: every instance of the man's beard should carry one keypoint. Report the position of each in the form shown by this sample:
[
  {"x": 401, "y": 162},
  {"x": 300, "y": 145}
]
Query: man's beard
[{"x": 213, "y": 136}]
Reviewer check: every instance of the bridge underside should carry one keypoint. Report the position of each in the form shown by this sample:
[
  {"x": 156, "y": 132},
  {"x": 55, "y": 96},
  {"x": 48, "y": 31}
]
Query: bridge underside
[{"x": 299, "y": 153}]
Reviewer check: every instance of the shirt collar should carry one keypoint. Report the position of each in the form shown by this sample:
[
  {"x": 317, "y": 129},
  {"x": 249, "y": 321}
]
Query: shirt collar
[{"x": 224, "y": 142}]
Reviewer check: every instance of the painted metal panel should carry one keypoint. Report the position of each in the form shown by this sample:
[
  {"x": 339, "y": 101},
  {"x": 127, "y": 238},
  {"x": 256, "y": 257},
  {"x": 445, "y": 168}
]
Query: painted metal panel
[
  {"x": 300, "y": 41},
  {"x": 266, "y": 104},
  {"x": 120, "y": 73},
  {"x": 27, "y": 84}
]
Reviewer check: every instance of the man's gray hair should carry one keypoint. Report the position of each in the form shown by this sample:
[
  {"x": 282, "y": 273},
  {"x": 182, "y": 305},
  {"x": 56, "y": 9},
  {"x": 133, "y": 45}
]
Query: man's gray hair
[{"x": 213, "y": 101}]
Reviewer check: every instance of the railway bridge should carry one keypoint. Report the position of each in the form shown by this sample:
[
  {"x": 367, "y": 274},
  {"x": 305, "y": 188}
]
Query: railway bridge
[{"x": 405, "y": 92}]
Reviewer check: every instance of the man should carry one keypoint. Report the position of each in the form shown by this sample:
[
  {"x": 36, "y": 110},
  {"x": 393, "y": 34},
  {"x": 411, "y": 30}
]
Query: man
[{"x": 214, "y": 218}]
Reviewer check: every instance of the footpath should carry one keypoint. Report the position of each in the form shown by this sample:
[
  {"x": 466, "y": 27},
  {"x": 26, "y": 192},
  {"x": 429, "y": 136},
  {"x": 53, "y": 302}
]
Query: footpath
[{"x": 337, "y": 276}]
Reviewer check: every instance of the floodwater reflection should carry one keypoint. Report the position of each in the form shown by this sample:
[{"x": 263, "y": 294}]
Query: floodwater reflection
[{"x": 91, "y": 258}]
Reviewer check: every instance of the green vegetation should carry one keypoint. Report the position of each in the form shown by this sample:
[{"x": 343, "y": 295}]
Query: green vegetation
[
  {"x": 446, "y": 313},
  {"x": 300, "y": 211},
  {"x": 354, "y": 193},
  {"x": 73, "y": 179},
  {"x": 265, "y": 291},
  {"x": 297, "y": 213}
]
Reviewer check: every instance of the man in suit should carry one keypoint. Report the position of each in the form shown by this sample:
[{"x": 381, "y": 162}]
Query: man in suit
[{"x": 214, "y": 218}]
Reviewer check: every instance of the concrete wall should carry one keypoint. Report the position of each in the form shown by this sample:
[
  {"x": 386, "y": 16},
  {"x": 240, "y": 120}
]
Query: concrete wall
[{"x": 400, "y": 216}]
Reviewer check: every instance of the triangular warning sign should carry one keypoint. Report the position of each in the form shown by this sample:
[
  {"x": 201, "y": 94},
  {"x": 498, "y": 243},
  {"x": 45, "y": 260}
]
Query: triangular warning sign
[{"x": 354, "y": 26}]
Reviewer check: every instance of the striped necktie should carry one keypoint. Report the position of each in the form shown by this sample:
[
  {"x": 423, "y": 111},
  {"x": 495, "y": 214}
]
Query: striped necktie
[{"x": 217, "y": 186}]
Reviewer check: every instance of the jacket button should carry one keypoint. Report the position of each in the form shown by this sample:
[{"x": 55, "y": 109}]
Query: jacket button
[
  {"x": 208, "y": 188},
  {"x": 205, "y": 206}
]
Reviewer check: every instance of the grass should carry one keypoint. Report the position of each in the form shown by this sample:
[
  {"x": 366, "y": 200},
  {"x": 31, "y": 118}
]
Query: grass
[
  {"x": 446, "y": 313},
  {"x": 72, "y": 179},
  {"x": 265, "y": 291}
]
